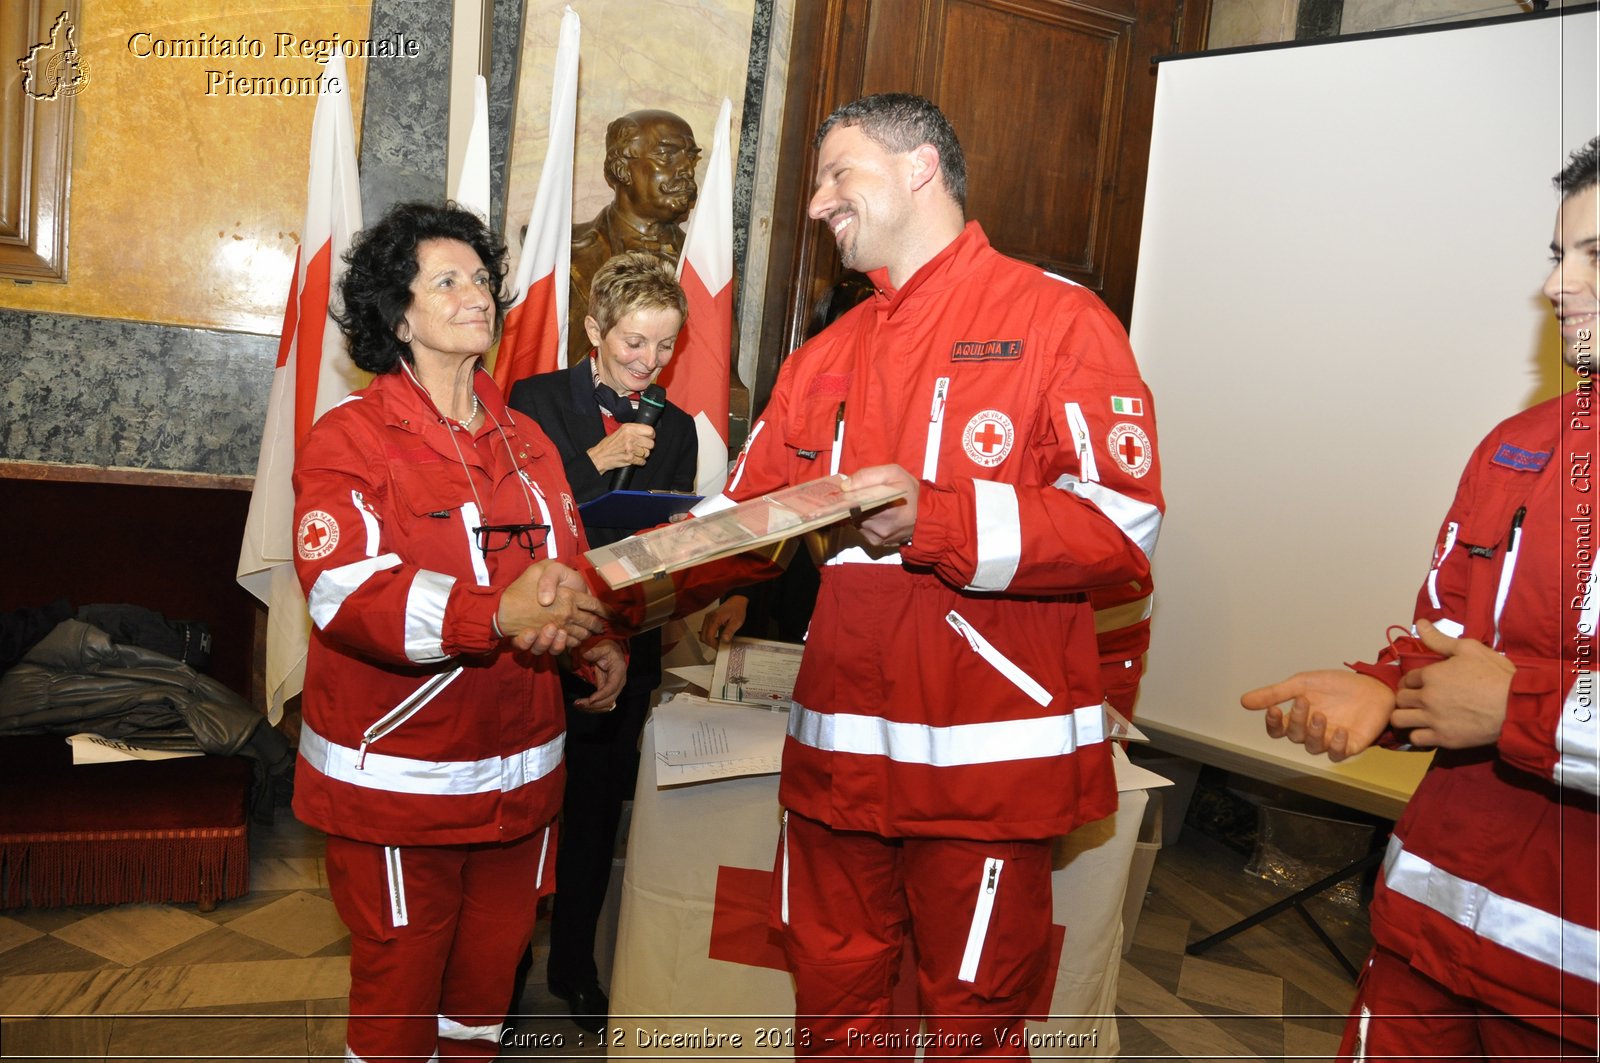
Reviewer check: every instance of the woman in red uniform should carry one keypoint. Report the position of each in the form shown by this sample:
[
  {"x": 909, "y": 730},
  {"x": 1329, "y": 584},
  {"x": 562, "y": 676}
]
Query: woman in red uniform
[{"x": 433, "y": 531}]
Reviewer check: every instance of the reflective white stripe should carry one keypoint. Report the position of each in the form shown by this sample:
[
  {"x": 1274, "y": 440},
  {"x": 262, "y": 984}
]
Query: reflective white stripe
[
  {"x": 398, "y": 916},
  {"x": 544, "y": 853},
  {"x": 999, "y": 521},
  {"x": 862, "y": 555},
  {"x": 1063, "y": 280},
  {"x": 425, "y": 605},
  {"x": 1361, "y": 1034},
  {"x": 409, "y": 707},
  {"x": 1082, "y": 444},
  {"x": 1002, "y": 664},
  {"x": 1450, "y": 532},
  {"x": 1578, "y": 738},
  {"x": 368, "y": 520},
  {"x": 947, "y": 747},
  {"x": 337, "y": 584},
  {"x": 930, "y": 454},
  {"x": 1139, "y": 521},
  {"x": 471, "y": 518},
  {"x": 784, "y": 903},
  {"x": 988, "y": 885},
  {"x": 1537, "y": 934},
  {"x": 442, "y": 778},
  {"x": 1446, "y": 626},
  {"x": 455, "y": 1031},
  {"x": 1116, "y": 617},
  {"x": 1509, "y": 566},
  {"x": 838, "y": 445},
  {"x": 714, "y": 504},
  {"x": 744, "y": 452},
  {"x": 551, "y": 546}
]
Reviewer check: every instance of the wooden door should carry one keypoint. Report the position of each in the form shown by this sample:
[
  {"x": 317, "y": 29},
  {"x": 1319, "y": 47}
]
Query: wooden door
[{"x": 1052, "y": 100}]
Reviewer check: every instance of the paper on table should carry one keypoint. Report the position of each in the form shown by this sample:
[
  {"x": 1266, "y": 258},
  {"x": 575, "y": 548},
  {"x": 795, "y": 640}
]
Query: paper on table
[
  {"x": 696, "y": 675},
  {"x": 697, "y": 741},
  {"x": 756, "y": 672},
  {"x": 781, "y": 515}
]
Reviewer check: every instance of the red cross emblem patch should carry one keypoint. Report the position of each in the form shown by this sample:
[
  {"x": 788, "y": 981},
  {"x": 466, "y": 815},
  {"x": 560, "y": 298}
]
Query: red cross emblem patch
[
  {"x": 1130, "y": 447},
  {"x": 317, "y": 535},
  {"x": 988, "y": 437}
]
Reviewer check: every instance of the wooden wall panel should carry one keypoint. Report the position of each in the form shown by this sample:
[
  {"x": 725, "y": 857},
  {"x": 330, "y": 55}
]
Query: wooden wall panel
[
  {"x": 1052, "y": 100},
  {"x": 35, "y": 144},
  {"x": 1040, "y": 160}
]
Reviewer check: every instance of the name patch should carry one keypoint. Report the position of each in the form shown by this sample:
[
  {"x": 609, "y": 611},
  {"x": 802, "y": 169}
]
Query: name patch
[
  {"x": 986, "y": 351},
  {"x": 1514, "y": 457}
]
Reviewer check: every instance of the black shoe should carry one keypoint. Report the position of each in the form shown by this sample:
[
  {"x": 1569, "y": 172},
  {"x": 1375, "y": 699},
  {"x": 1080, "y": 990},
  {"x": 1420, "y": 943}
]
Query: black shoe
[{"x": 588, "y": 1003}]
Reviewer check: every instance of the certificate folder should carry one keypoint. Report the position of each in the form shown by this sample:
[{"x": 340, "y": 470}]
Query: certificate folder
[
  {"x": 632, "y": 510},
  {"x": 783, "y": 514}
]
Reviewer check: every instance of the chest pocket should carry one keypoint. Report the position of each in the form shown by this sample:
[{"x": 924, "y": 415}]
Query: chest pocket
[
  {"x": 432, "y": 495},
  {"x": 433, "y": 490},
  {"x": 813, "y": 435},
  {"x": 1488, "y": 545}
]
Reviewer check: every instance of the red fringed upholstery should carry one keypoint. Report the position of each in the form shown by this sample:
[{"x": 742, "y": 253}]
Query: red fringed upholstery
[{"x": 171, "y": 830}]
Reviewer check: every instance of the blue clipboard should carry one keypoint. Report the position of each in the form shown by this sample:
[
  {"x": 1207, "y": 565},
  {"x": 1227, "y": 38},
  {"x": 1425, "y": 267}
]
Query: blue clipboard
[{"x": 633, "y": 510}]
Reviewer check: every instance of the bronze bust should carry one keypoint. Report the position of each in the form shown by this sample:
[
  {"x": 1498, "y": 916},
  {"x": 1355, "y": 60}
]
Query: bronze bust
[{"x": 650, "y": 160}]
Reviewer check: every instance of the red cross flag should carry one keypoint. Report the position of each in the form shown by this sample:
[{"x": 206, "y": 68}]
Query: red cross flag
[
  {"x": 313, "y": 373},
  {"x": 697, "y": 379},
  {"x": 535, "y": 334}
]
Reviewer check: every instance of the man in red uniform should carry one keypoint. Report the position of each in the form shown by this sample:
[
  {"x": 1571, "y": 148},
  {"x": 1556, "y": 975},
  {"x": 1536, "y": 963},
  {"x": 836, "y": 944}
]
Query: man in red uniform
[
  {"x": 1486, "y": 915},
  {"x": 949, "y": 714}
]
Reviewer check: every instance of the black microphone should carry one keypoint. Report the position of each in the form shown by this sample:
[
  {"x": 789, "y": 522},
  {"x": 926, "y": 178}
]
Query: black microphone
[{"x": 652, "y": 404}]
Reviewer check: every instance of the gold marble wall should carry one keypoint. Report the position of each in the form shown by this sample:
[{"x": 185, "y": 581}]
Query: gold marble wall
[
  {"x": 1237, "y": 23},
  {"x": 679, "y": 55},
  {"x": 187, "y": 195}
]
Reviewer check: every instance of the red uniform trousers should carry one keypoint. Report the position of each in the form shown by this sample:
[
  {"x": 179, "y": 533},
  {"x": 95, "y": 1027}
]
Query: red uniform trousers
[
  {"x": 437, "y": 985},
  {"x": 1401, "y": 1014},
  {"x": 979, "y": 918}
]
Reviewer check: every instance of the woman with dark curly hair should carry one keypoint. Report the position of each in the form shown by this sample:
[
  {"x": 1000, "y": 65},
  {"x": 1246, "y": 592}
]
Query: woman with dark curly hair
[{"x": 434, "y": 528}]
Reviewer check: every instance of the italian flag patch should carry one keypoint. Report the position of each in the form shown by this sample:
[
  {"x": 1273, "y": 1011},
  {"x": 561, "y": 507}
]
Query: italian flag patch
[{"x": 1126, "y": 406}]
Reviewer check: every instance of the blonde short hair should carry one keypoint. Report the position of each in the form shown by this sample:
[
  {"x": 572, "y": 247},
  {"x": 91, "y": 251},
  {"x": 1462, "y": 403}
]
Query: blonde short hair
[{"x": 634, "y": 280}]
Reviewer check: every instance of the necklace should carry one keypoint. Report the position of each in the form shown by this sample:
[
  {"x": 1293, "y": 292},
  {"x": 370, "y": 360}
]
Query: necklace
[{"x": 473, "y": 416}]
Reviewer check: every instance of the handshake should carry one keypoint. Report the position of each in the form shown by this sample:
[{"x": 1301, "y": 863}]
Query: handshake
[{"x": 548, "y": 609}]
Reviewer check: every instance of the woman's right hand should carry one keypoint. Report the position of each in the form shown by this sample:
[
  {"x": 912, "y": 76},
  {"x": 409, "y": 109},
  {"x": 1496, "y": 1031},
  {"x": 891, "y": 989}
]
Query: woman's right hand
[
  {"x": 548, "y": 609},
  {"x": 630, "y": 444}
]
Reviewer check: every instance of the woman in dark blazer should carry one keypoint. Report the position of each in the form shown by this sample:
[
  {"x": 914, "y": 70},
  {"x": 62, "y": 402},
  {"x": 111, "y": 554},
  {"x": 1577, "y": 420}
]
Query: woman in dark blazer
[{"x": 635, "y": 311}]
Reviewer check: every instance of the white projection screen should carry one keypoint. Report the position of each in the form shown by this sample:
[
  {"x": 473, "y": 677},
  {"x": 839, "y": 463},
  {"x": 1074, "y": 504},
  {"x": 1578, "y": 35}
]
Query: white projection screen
[{"x": 1338, "y": 297}]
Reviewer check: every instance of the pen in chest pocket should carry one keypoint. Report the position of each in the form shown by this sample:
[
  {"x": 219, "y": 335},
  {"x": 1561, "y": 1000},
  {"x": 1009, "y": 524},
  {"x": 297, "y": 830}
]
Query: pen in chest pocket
[{"x": 838, "y": 441}]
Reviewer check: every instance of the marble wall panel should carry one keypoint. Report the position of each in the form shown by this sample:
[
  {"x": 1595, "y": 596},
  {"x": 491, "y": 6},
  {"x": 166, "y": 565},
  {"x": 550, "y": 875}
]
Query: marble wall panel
[
  {"x": 186, "y": 192},
  {"x": 405, "y": 125},
  {"x": 679, "y": 55},
  {"x": 185, "y": 216},
  {"x": 90, "y": 391},
  {"x": 1362, "y": 16},
  {"x": 1237, "y": 23}
]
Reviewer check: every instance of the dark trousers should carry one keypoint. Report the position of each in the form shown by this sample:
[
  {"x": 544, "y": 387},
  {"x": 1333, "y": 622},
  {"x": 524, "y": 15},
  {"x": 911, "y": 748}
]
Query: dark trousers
[{"x": 602, "y": 755}]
